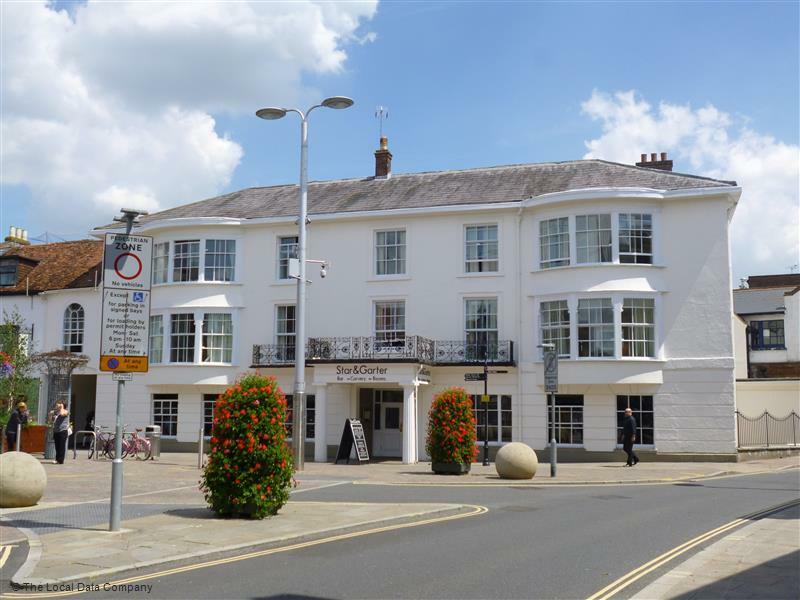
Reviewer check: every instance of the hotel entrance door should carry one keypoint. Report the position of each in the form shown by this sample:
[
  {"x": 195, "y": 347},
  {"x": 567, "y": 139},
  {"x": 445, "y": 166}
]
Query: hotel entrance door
[{"x": 387, "y": 436}]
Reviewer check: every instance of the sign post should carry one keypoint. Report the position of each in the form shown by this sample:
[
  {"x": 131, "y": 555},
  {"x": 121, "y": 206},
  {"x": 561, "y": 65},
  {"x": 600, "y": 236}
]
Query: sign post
[
  {"x": 485, "y": 400},
  {"x": 551, "y": 386},
  {"x": 125, "y": 329}
]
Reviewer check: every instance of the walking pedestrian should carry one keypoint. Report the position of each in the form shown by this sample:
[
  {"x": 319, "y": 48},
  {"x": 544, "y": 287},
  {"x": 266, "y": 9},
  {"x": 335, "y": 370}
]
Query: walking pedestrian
[
  {"x": 60, "y": 418},
  {"x": 19, "y": 416},
  {"x": 629, "y": 437}
]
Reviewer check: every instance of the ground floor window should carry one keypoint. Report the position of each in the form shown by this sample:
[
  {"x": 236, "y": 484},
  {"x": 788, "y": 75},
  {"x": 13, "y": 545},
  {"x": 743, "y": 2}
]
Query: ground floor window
[
  {"x": 310, "y": 416},
  {"x": 499, "y": 418},
  {"x": 568, "y": 420},
  {"x": 642, "y": 407},
  {"x": 209, "y": 402},
  {"x": 165, "y": 413}
]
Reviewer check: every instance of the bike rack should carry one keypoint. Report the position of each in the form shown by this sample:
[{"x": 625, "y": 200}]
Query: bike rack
[{"x": 75, "y": 442}]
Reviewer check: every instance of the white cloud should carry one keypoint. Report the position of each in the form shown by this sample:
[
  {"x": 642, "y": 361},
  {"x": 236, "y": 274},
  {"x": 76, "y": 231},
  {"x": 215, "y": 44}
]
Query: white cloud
[
  {"x": 707, "y": 141},
  {"x": 114, "y": 103}
]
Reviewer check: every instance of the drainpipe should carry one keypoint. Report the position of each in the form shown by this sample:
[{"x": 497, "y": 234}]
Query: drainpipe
[{"x": 747, "y": 354}]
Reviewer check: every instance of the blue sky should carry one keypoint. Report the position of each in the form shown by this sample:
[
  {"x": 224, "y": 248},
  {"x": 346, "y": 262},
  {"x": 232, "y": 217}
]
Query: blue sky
[{"x": 466, "y": 84}]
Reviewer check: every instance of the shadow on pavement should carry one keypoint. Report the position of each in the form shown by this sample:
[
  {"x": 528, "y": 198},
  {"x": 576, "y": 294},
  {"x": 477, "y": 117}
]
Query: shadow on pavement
[
  {"x": 200, "y": 512},
  {"x": 776, "y": 579}
]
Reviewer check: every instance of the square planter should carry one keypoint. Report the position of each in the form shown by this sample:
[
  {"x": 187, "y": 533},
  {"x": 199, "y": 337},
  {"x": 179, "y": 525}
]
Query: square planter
[{"x": 450, "y": 468}]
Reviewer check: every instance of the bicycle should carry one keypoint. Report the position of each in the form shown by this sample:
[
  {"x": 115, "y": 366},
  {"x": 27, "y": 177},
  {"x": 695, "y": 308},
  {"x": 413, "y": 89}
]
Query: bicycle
[
  {"x": 135, "y": 445},
  {"x": 104, "y": 444}
]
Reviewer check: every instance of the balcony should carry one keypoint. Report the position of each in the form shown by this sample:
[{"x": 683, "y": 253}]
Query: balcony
[{"x": 411, "y": 349}]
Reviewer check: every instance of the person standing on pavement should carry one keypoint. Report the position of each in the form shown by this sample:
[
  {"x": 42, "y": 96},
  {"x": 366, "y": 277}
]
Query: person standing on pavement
[
  {"x": 60, "y": 418},
  {"x": 19, "y": 416},
  {"x": 629, "y": 437}
]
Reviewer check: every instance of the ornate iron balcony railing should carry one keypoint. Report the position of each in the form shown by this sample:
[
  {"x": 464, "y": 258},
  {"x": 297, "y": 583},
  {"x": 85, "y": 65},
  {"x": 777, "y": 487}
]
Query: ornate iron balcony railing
[{"x": 412, "y": 348}]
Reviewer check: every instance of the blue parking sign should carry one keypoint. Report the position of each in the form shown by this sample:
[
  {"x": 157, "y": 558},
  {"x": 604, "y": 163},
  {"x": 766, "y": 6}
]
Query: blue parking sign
[{"x": 138, "y": 296}]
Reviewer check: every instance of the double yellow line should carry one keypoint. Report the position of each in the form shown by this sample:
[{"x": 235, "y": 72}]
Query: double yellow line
[
  {"x": 475, "y": 511},
  {"x": 620, "y": 584}
]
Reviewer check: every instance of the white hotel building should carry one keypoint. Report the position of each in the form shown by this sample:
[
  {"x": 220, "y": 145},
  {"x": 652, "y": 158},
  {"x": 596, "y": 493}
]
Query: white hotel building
[{"x": 625, "y": 268}]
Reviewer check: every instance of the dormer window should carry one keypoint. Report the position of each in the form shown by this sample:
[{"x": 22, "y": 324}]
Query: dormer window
[{"x": 8, "y": 272}]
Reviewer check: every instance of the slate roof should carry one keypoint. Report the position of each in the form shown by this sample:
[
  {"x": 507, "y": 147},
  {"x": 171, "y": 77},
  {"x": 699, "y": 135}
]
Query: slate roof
[
  {"x": 56, "y": 266},
  {"x": 443, "y": 188},
  {"x": 759, "y": 300}
]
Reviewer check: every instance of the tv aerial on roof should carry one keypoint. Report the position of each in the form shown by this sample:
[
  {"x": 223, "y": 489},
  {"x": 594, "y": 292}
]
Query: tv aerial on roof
[{"x": 381, "y": 113}]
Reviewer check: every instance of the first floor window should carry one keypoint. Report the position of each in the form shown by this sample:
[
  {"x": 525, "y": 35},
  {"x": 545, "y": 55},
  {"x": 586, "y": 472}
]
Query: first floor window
[
  {"x": 8, "y": 272},
  {"x": 642, "y": 407},
  {"x": 554, "y": 243},
  {"x": 635, "y": 238},
  {"x": 481, "y": 328},
  {"x": 481, "y": 249},
  {"x": 638, "y": 327},
  {"x": 593, "y": 238},
  {"x": 568, "y": 420},
  {"x": 287, "y": 248},
  {"x": 165, "y": 413},
  {"x": 181, "y": 339},
  {"x": 186, "y": 261},
  {"x": 220, "y": 262},
  {"x": 156, "y": 338},
  {"x": 160, "y": 262},
  {"x": 767, "y": 335},
  {"x": 217, "y": 338},
  {"x": 595, "y": 327},
  {"x": 209, "y": 402},
  {"x": 554, "y": 318},
  {"x": 390, "y": 324},
  {"x": 499, "y": 418},
  {"x": 285, "y": 332},
  {"x": 390, "y": 252},
  {"x": 310, "y": 416},
  {"x": 73, "y": 328}
]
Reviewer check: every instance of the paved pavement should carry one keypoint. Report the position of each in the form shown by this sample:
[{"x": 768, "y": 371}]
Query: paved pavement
[
  {"x": 165, "y": 519},
  {"x": 760, "y": 560}
]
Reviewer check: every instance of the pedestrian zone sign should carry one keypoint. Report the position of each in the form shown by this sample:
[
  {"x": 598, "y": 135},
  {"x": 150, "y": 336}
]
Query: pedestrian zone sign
[{"x": 125, "y": 331}]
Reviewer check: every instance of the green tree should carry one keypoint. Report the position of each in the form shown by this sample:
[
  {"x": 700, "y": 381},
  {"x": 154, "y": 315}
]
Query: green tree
[{"x": 16, "y": 343}]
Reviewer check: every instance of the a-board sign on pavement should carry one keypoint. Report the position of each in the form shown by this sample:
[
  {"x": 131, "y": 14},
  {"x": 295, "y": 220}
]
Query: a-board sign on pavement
[{"x": 125, "y": 330}]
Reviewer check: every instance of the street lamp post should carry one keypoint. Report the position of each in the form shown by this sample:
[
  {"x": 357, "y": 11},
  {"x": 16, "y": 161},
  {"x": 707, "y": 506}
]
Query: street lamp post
[{"x": 298, "y": 400}]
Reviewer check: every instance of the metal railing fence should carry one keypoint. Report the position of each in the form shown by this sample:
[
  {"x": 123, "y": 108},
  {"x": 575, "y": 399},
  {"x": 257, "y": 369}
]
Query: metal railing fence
[{"x": 767, "y": 431}]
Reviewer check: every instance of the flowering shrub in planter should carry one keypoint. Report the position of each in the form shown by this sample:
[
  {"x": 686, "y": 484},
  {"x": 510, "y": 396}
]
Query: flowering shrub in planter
[
  {"x": 249, "y": 469},
  {"x": 451, "y": 432}
]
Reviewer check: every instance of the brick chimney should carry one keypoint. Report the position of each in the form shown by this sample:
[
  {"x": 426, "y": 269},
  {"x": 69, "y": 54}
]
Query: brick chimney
[
  {"x": 383, "y": 160},
  {"x": 654, "y": 163}
]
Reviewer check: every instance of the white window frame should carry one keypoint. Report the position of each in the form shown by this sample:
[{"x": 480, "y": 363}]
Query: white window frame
[
  {"x": 560, "y": 261},
  {"x": 217, "y": 342},
  {"x": 498, "y": 411},
  {"x": 386, "y": 336},
  {"x": 171, "y": 415},
  {"x": 221, "y": 249},
  {"x": 192, "y": 334},
  {"x": 282, "y": 265},
  {"x": 595, "y": 327},
  {"x": 478, "y": 331},
  {"x": 161, "y": 263},
  {"x": 599, "y": 233},
  {"x": 283, "y": 335},
  {"x": 568, "y": 424},
  {"x": 478, "y": 243},
  {"x": 188, "y": 259},
  {"x": 74, "y": 327},
  {"x": 547, "y": 325},
  {"x": 637, "y": 413},
  {"x": 205, "y": 418},
  {"x": 311, "y": 417},
  {"x": 639, "y": 328},
  {"x": 400, "y": 258},
  {"x": 637, "y": 233},
  {"x": 156, "y": 348}
]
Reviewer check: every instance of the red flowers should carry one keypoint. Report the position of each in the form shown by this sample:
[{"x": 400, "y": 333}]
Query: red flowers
[
  {"x": 250, "y": 466},
  {"x": 451, "y": 428}
]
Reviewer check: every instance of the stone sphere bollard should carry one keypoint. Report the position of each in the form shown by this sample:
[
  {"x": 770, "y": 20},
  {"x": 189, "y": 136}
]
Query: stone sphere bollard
[
  {"x": 516, "y": 461},
  {"x": 22, "y": 480}
]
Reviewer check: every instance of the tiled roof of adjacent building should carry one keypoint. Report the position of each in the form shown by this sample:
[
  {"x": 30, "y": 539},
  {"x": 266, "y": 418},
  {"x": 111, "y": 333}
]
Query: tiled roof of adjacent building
[
  {"x": 58, "y": 266},
  {"x": 442, "y": 188}
]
